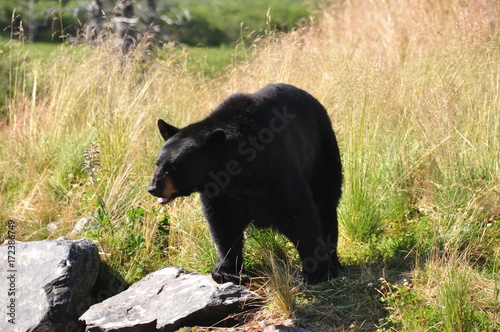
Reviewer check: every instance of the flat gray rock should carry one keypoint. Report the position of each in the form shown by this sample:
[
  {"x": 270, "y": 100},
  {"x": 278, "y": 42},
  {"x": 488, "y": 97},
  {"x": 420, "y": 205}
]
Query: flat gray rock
[
  {"x": 166, "y": 300},
  {"x": 47, "y": 284}
]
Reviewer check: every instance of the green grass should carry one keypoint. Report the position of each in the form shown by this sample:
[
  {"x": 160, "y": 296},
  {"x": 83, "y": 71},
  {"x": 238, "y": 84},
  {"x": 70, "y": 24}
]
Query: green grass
[
  {"x": 417, "y": 117},
  {"x": 42, "y": 49},
  {"x": 359, "y": 212},
  {"x": 208, "y": 62}
]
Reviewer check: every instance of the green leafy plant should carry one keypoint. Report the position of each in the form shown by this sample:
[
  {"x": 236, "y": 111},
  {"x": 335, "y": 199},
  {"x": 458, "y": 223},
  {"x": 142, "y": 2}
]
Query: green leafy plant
[
  {"x": 92, "y": 164},
  {"x": 405, "y": 308},
  {"x": 134, "y": 242}
]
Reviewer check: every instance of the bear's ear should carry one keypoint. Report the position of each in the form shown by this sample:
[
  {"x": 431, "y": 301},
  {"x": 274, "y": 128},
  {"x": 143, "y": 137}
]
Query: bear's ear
[
  {"x": 166, "y": 130},
  {"x": 215, "y": 139}
]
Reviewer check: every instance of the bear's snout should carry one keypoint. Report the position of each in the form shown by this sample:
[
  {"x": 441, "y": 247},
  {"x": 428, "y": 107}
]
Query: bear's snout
[
  {"x": 154, "y": 190},
  {"x": 156, "y": 185},
  {"x": 163, "y": 188}
]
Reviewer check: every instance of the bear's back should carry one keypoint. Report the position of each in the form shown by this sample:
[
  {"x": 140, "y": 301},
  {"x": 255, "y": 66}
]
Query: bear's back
[{"x": 280, "y": 120}]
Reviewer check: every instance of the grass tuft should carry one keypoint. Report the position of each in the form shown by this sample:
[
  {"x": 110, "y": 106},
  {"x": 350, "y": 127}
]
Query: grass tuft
[{"x": 412, "y": 91}]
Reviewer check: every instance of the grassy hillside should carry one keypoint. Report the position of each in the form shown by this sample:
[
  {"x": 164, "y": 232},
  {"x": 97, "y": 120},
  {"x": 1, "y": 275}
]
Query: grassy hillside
[{"x": 412, "y": 90}]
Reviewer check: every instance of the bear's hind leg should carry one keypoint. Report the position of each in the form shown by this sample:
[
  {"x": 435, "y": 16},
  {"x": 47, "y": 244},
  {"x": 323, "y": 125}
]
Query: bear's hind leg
[
  {"x": 325, "y": 183},
  {"x": 329, "y": 225},
  {"x": 295, "y": 216}
]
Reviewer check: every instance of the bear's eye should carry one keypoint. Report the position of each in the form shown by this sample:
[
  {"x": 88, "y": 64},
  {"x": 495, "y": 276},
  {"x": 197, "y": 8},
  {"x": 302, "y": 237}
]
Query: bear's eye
[{"x": 170, "y": 167}]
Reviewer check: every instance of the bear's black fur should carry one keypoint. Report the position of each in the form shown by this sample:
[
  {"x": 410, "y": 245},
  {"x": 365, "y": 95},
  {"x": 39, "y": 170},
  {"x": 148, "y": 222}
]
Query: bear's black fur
[{"x": 270, "y": 157}]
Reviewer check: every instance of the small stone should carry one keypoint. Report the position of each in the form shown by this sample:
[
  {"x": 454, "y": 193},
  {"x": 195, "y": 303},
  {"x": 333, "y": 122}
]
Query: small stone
[
  {"x": 283, "y": 328},
  {"x": 80, "y": 226},
  {"x": 53, "y": 226},
  {"x": 291, "y": 322}
]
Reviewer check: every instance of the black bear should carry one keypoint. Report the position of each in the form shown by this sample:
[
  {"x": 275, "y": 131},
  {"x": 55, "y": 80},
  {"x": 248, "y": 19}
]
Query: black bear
[{"x": 270, "y": 157}]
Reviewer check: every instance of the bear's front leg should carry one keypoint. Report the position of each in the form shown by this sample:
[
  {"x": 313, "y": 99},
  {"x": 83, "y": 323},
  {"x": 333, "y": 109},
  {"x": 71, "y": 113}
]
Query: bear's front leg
[
  {"x": 227, "y": 220},
  {"x": 229, "y": 269}
]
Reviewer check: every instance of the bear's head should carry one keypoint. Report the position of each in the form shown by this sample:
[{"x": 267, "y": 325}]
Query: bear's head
[{"x": 185, "y": 160}]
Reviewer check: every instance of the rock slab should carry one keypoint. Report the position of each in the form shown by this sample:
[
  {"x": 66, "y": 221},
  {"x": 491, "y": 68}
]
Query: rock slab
[
  {"x": 166, "y": 300},
  {"x": 51, "y": 283}
]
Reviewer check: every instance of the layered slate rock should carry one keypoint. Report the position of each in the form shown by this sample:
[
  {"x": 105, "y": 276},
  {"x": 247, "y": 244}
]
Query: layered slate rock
[
  {"x": 52, "y": 282},
  {"x": 166, "y": 300}
]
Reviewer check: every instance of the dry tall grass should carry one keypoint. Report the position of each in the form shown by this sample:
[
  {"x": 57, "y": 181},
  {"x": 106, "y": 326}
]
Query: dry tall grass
[{"x": 412, "y": 88}]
